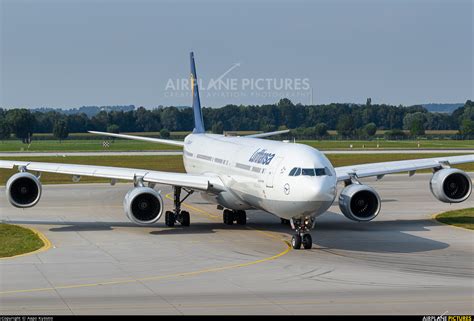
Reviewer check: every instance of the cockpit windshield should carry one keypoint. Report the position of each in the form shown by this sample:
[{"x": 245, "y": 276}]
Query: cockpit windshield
[{"x": 297, "y": 171}]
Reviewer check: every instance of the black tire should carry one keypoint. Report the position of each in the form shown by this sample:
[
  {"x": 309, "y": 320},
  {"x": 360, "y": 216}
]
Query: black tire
[
  {"x": 241, "y": 217},
  {"x": 296, "y": 241},
  {"x": 284, "y": 221},
  {"x": 169, "y": 219},
  {"x": 307, "y": 241},
  {"x": 228, "y": 217},
  {"x": 185, "y": 219}
]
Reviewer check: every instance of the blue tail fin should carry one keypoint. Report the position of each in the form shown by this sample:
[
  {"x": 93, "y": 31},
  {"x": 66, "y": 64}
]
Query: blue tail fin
[{"x": 198, "y": 121}]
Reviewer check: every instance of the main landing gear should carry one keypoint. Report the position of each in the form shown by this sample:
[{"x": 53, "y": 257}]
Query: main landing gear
[
  {"x": 177, "y": 215},
  {"x": 302, "y": 236},
  {"x": 231, "y": 216}
]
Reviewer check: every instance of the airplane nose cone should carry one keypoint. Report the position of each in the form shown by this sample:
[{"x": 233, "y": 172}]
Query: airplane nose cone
[{"x": 323, "y": 190}]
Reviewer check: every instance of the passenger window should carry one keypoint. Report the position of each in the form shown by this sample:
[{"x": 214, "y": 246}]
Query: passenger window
[
  {"x": 308, "y": 171},
  {"x": 293, "y": 171},
  {"x": 298, "y": 172}
]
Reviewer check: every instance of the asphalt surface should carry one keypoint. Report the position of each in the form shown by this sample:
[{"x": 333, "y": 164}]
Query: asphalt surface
[
  {"x": 403, "y": 262},
  {"x": 169, "y": 152}
]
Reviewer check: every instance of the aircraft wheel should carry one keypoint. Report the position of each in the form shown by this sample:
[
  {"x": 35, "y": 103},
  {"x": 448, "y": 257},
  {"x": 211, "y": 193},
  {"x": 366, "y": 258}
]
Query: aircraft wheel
[
  {"x": 169, "y": 218},
  {"x": 241, "y": 217},
  {"x": 185, "y": 219},
  {"x": 296, "y": 241},
  {"x": 228, "y": 217},
  {"x": 307, "y": 241}
]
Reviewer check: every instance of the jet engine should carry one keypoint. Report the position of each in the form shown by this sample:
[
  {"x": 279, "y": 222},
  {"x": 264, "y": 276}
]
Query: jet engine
[
  {"x": 359, "y": 202},
  {"x": 143, "y": 205},
  {"x": 23, "y": 190},
  {"x": 451, "y": 185}
]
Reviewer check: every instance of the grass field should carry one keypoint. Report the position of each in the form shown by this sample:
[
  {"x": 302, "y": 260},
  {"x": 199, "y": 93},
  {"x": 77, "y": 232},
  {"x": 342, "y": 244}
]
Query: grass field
[
  {"x": 85, "y": 145},
  {"x": 82, "y": 145},
  {"x": 389, "y": 144},
  {"x": 175, "y": 164},
  {"x": 17, "y": 240},
  {"x": 461, "y": 218}
]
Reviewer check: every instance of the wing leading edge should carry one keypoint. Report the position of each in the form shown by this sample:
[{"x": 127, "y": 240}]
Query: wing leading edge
[
  {"x": 378, "y": 169},
  {"x": 146, "y": 139},
  {"x": 268, "y": 134},
  {"x": 198, "y": 182}
]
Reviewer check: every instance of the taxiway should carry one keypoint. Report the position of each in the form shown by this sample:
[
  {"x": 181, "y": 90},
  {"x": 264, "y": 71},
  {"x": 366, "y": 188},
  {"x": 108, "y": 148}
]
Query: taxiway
[{"x": 403, "y": 262}]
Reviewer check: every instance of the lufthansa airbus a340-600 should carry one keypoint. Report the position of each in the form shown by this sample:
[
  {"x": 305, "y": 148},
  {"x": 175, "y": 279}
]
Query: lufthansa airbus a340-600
[{"x": 292, "y": 181}]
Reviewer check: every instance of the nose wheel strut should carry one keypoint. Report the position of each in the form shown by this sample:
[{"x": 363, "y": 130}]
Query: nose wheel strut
[
  {"x": 177, "y": 215},
  {"x": 302, "y": 236}
]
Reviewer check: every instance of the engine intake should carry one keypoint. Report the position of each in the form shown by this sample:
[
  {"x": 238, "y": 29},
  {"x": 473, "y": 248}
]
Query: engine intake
[
  {"x": 451, "y": 185},
  {"x": 359, "y": 202},
  {"x": 23, "y": 190},
  {"x": 143, "y": 205}
]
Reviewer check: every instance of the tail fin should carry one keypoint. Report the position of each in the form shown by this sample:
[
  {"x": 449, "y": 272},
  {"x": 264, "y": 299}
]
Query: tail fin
[{"x": 198, "y": 121}]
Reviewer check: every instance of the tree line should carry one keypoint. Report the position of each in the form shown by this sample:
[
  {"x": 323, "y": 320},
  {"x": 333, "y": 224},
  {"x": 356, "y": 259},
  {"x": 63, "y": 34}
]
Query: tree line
[{"x": 309, "y": 121}]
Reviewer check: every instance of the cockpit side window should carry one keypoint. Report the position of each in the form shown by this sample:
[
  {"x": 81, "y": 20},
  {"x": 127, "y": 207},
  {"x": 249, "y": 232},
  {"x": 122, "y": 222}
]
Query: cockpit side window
[
  {"x": 320, "y": 171},
  {"x": 298, "y": 172},
  {"x": 328, "y": 171},
  {"x": 293, "y": 171}
]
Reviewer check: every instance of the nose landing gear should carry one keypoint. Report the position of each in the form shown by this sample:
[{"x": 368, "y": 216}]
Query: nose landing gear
[{"x": 302, "y": 236}]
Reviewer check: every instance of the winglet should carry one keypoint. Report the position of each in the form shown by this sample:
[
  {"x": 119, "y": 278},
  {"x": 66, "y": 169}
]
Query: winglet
[{"x": 198, "y": 120}]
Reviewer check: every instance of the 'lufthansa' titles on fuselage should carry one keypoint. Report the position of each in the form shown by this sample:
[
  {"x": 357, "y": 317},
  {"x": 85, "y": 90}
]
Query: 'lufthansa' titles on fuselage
[{"x": 261, "y": 157}]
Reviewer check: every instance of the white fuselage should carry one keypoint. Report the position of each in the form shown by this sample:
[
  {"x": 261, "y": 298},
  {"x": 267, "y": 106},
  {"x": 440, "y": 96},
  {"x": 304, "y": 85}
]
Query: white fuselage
[{"x": 256, "y": 174}]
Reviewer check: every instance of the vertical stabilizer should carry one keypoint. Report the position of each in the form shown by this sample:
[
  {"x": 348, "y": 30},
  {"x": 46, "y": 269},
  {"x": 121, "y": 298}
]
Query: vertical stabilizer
[{"x": 198, "y": 121}]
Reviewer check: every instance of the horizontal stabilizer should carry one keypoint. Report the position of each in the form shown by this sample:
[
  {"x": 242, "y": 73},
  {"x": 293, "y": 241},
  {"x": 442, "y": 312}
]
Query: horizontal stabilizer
[
  {"x": 261, "y": 135},
  {"x": 147, "y": 139}
]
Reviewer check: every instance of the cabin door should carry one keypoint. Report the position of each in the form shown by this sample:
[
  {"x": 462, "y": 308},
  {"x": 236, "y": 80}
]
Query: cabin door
[{"x": 272, "y": 171}]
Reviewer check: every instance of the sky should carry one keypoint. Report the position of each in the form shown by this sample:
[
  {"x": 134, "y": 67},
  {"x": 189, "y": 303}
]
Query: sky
[{"x": 71, "y": 53}]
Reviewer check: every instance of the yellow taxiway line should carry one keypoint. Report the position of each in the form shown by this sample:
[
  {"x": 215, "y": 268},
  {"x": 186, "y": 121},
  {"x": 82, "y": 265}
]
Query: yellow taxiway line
[
  {"x": 216, "y": 217},
  {"x": 433, "y": 218},
  {"x": 46, "y": 244},
  {"x": 168, "y": 276}
]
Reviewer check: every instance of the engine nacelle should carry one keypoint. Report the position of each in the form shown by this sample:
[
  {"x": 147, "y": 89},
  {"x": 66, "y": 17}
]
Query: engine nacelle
[
  {"x": 23, "y": 190},
  {"x": 143, "y": 205},
  {"x": 451, "y": 185},
  {"x": 359, "y": 202}
]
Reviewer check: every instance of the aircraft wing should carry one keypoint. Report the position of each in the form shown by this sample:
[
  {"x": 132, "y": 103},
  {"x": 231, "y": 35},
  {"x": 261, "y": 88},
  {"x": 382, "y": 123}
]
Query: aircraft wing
[
  {"x": 268, "y": 134},
  {"x": 380, "y": 169},
  {"x": 198, "y": 182},
  {"x": 143, "y": 138}
]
